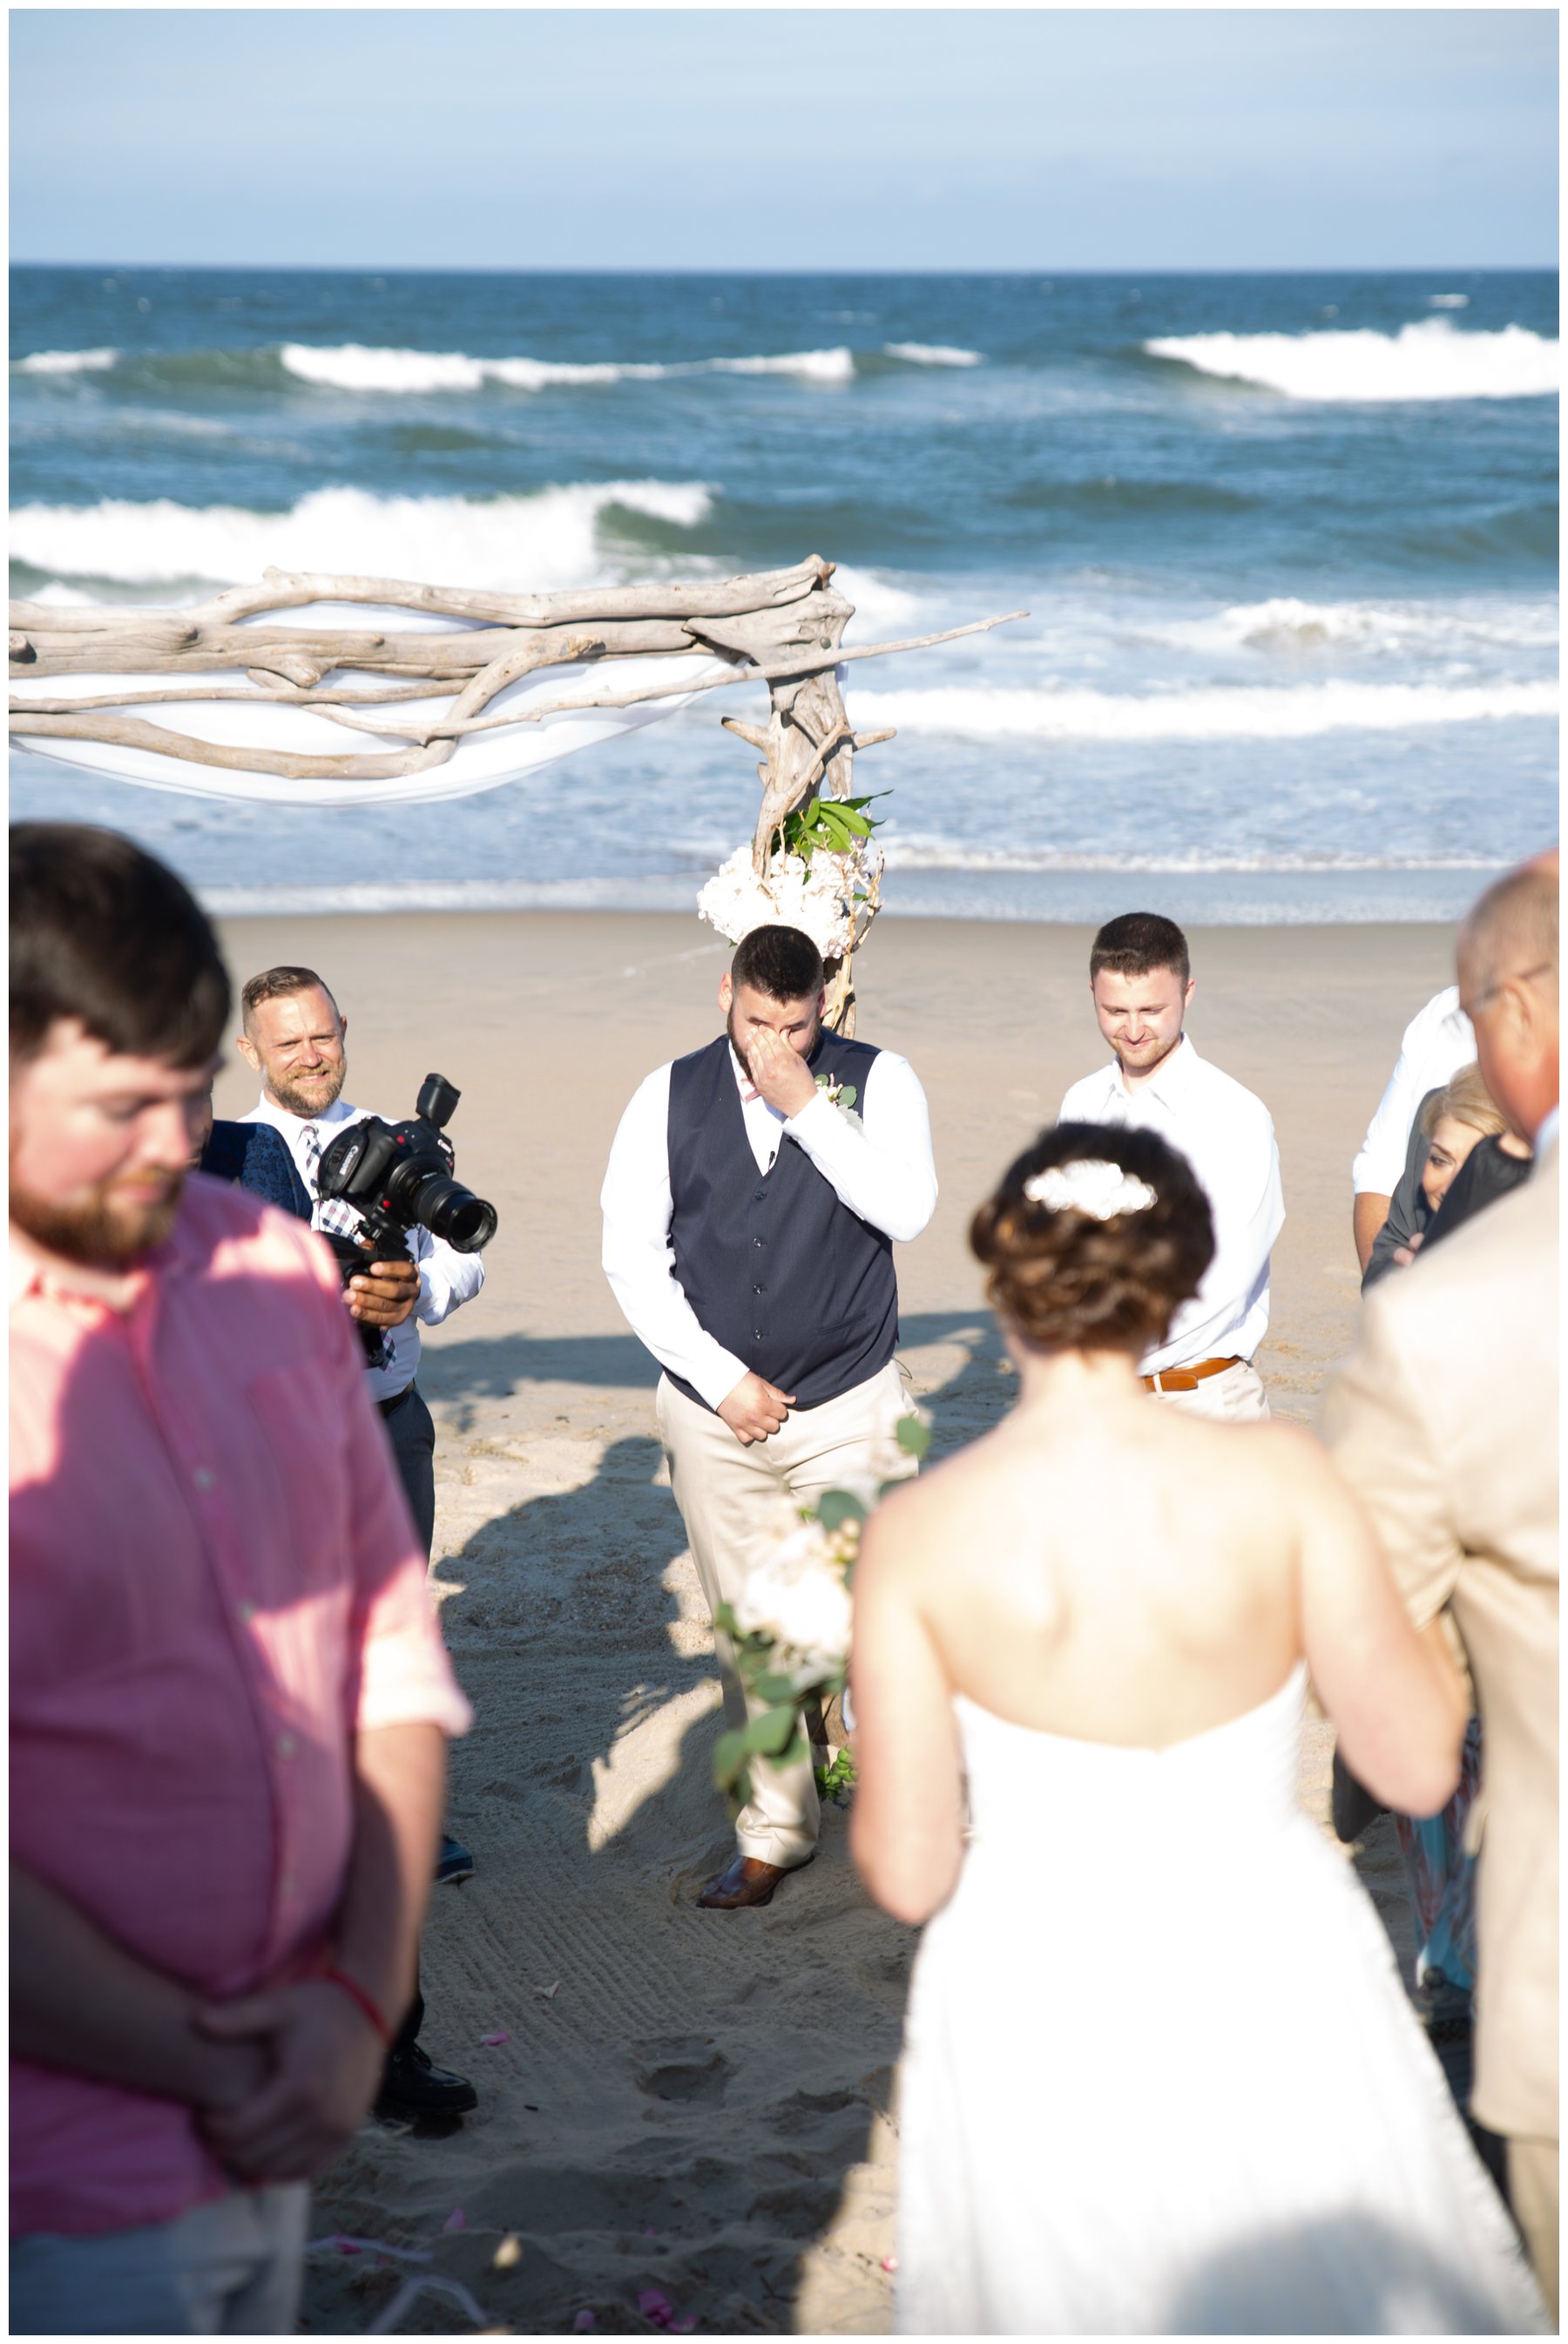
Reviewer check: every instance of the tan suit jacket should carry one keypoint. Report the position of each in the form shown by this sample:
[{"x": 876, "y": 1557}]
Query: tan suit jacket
[{"x": 1444, "y": 1419}]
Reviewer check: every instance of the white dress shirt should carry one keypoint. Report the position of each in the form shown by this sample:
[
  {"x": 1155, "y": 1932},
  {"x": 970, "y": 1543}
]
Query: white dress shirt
[
  {"x": 1437, "y": 1042},
  {"x": 1227, "y": 1135},
  {"x": 446, "y": 1277},
  {"x": 882, "y": 1172}
]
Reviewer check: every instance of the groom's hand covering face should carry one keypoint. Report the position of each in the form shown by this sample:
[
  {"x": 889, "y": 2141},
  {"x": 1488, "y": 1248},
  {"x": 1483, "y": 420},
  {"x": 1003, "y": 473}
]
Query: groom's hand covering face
[{"x": 772, "y": 1040}]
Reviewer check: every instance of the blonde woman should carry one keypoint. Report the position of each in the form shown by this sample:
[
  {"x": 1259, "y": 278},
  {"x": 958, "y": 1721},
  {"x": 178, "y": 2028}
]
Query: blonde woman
[{"x": 1451, "y": 1126}]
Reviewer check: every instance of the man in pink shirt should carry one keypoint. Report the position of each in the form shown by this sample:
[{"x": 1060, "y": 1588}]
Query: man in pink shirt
[{"x": 229, "y": 1702}]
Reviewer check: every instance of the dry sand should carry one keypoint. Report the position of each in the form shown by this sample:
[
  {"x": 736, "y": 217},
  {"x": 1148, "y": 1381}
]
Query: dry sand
[{"x": 699, "y": 2103}]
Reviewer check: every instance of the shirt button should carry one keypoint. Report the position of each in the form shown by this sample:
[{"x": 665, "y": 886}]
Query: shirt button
[
  {"x": 285, "y": 1745},
  {"x": 248, "y": 1613},
  {"x": 204, "y": 1477},
  {"x": 757, "y": 1241}
]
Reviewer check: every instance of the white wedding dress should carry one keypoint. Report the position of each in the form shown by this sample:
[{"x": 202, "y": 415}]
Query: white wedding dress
[{"x": 1160, "y": 2076}]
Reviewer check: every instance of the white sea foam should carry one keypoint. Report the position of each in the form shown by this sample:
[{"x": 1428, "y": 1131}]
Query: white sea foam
[
  {"x": 67, "y": 362},
  {"x": 812, "y": 366},
  {"x": 881, "y": 606},
  {"x": 932, "y": 354},
  {"x": 354, "y": 366},
  {"x": 1225, "y": 712},
  {"x": 1428, "y": 361},
  {"x": 932, "y": 851},
  {"x": 551, "y": 539},
  {"x": 1288, "y": 624},
  {"x": 1448, "y": 300}
]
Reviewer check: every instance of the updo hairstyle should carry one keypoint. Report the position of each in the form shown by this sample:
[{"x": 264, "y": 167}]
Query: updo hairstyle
[{"x": 1068, "y": 1281}]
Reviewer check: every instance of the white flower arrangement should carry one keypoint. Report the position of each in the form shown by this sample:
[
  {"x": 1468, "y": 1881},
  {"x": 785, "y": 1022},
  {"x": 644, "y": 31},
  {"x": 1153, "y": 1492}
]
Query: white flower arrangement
[
  {"x": 789, "y": 1625},
  {"x": 819, "y": 894},
  {"x": 798, "y": 1599},
  {"x": 1089, "y": 1186}
]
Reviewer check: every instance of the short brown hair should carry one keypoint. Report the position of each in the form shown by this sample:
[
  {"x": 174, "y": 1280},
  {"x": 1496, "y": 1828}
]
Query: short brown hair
[
  {"x": 102, "y": 931},
  {"x": 275, "y": 984},
  {"x": 1138, "y": 943},
  {"x": 780, "y": 963},
  {"x": 1067, "y": 1281}
]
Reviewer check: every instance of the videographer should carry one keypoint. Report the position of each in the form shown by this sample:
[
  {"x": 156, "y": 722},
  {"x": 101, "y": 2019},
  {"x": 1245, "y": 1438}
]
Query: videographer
[{"x": 293, "y": 1034}]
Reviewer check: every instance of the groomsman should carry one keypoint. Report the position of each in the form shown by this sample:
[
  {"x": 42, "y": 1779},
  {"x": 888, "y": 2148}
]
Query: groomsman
[
  {"x": 1140, "y": 981},
  {"x": 749, "y": 1217}
]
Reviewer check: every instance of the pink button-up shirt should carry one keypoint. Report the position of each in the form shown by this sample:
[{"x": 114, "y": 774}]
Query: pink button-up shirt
[{"x": 214, "y": 1582}]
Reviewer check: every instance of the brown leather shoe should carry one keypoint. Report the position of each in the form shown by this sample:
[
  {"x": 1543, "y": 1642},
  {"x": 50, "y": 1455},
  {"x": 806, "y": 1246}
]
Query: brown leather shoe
[{"x": 744, "y": 1881}]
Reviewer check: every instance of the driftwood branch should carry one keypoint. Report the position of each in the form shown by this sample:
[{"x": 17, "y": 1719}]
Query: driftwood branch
[
  {"x": 455, "y": 727},
  {"x": 782, "y": 628}
]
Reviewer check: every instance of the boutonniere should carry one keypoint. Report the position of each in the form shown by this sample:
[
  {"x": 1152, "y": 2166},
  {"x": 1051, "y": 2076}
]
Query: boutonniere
[{"x": 842, "y": 1096}]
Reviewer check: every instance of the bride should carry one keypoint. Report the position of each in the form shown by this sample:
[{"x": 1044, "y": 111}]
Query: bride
[{"x": 1160, "y": 2076}]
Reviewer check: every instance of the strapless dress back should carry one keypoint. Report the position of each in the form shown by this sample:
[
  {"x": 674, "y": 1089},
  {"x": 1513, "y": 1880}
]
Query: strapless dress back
[{"x": 1160, "y": 2076}]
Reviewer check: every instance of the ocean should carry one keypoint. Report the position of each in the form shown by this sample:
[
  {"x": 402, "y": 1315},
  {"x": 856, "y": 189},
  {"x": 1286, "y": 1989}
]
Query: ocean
[{"x": 1288, "y": 544}]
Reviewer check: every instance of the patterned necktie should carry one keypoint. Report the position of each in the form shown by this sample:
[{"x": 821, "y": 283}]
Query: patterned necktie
[{"x": 326, "y": 1212}]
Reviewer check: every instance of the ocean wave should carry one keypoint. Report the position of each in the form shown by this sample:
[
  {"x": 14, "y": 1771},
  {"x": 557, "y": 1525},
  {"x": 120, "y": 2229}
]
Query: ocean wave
[
  {"x": 925, "y": 852},
  {"x": 1285, "y": 624},
  {"x": 1426, "y": 361},
  {"x": 1448, "y": 300},
  {"x": 932, "y": 354},
  {"x": 354, "y": 366},
  {"x": 1224, "y": 712},
  {"x": 550, "y": 539},
  {"x": 67, "y": 362}
]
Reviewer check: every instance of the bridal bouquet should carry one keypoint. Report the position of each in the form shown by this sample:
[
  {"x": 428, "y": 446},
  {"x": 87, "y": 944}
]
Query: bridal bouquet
[
  {"x": 824, "y": 870},
  {"x": 791, "y": 1623}
]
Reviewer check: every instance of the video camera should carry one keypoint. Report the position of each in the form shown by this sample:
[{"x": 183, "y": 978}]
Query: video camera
[{"x": 399, "y": 1175}]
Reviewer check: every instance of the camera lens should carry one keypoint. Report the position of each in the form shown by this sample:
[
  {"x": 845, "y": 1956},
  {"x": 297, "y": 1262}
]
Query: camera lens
[{"x": 455, "y": 1214}]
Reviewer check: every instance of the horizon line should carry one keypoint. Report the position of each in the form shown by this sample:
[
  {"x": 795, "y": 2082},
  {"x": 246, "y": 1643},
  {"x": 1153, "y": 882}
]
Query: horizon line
[{"x": 609, "y": 268}]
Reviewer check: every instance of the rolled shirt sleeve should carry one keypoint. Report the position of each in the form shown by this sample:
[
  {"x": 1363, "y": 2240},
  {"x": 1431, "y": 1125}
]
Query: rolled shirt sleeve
[
  {"x": 448, "y": 1278},
  {"x": 882, "y": 1170}
]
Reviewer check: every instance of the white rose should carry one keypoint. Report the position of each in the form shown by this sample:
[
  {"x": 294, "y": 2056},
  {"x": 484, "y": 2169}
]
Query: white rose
[{"x": 798, "y": 1597}]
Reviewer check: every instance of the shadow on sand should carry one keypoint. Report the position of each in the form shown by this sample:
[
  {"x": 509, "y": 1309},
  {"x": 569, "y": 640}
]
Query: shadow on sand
[{"x": 726, "y": 2073}]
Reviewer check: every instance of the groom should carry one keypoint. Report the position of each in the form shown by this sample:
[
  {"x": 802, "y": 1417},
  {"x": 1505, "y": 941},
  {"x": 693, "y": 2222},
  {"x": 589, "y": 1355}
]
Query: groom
[{"x": 749, "y": 1229}]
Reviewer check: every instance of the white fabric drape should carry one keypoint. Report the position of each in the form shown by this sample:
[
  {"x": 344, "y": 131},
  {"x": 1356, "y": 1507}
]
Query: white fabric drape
[{"x": 481, "y": 761}]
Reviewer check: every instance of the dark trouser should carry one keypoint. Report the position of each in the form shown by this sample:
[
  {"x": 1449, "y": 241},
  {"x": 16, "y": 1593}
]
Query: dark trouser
[{"x": 412, "y": 1432}]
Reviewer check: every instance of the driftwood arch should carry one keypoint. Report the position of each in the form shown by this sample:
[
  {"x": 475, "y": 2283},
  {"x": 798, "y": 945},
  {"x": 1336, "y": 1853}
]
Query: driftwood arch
[{"x": 782, "y": 628}]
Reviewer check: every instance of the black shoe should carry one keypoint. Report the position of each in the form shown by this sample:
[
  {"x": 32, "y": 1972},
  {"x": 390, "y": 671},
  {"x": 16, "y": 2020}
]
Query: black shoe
[
  {"x": 411, "y": 2088},
  {"x": 453, "y": 1864}
]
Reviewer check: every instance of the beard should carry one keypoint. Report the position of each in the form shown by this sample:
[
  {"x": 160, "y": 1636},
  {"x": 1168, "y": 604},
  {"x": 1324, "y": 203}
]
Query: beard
[
  {"x": 308, "y": 1104},
  {"x": 97, "y": 1229}
]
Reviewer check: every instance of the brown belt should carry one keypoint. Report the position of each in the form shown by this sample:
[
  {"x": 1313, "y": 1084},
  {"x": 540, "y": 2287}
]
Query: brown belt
[{"x": 1188, "y": 1378}]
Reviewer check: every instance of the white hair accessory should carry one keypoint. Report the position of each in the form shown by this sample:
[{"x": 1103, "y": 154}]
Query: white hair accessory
[{"x": 1089, "y": 1186}]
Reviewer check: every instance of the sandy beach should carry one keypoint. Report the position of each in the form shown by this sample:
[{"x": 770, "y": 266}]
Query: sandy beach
[{"x": 701, "y": 2104}]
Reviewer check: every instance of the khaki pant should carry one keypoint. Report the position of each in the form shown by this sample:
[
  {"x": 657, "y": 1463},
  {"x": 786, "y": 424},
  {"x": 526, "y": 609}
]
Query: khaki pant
[
  {"x": 1532, "y": 2194},
  {"x": 729, "y": 1495},
  {"x": 1237, "y": 1396}
]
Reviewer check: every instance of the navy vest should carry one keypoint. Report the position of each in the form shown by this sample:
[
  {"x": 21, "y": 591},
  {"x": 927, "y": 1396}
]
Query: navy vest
[{"x": 776, "y": 1268}]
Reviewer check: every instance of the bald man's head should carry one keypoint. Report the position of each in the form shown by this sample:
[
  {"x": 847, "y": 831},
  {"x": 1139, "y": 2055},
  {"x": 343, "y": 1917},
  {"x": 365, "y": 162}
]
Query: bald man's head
[
  {"x": 1507, "y": 962},
  {"x": 1514, "y": 927}
]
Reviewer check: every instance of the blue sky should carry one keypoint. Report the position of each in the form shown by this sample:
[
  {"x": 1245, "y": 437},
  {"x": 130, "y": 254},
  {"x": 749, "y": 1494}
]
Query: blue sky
[{"x": 804, "y": 139}]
